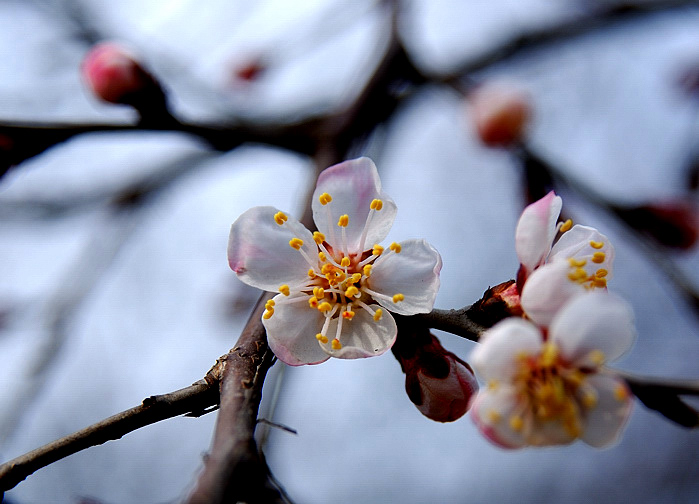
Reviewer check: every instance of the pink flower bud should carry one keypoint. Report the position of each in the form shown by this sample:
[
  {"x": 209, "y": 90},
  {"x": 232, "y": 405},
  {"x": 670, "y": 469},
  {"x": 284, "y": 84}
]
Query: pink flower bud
[
  {"x": 438, "y": 382},
  {"x": 113, "y": 73},
  {"x": 500, "y": 113}
]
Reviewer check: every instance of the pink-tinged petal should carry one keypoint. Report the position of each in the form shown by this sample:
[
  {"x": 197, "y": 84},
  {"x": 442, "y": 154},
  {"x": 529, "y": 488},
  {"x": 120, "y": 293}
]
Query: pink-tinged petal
[
  {"x": 362, "y": 336},
  {"x": 590, "y": 323},
  {"x": 547, "y": 290},
  {"x": 291, "y": 333},
  {"x": 492, "y": 410},
  {"x": 414, "y": 272},
  {"x": 259, "y": 250},
  {"x": 536, "y": 230},
  {"x": 577, "y": 243},
  {"x": 606, "y": 420},
  {"x": 497, "y": 358},
  {"x": 353, "y": 185},
  {"x": 445, "y": 399}
]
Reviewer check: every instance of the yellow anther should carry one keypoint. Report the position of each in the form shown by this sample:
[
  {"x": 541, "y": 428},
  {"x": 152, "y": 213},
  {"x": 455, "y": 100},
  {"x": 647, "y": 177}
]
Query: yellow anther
[
  {"x": 395, "y": 247},
  {"x": 601, "y": 273},
  {"x": 312, "y": 273},
  {"x": 576, "y": 377},
  {"x": 322, "y": 256},
  {"x": 598, "y": 257},
  {"x": 343, "y": 221},
  {"x": 378, "y": 314},
  {"x": 599, "y": 282},
  {"x": 319, "y": 292},
  {"x": 356, "y": 277},
  {"x": 549, "y": 354},
  {"x": 284, "y": 289},
  {"x": 345, "y": 262},
  {"x": 566, "y": 226},
  {"x": 493, "y": 384},
  {"x": 576, "y": 263},
  {"x": 348, "y": 314},
  {"x": 321, "y": 338},
  {"x": 318, "y": 237},
  {"x": 269, "y": 304},
  {"x": 493, "y": 416},
  {"x": 313, "y": 302},
  {"x": 596, "y": 244},
  {"x": 367, "y": 270},
  {"x": 376, "y": 204},
  {"x": 516, "y": 423},
  {"x": 398, "y": 297},
  {"x": 351, "y": 291},
  {"x": 280, "y": 218},
  {"x": 325, "y": 307},
  {"x": 579, "y": 275},
  {"x": 589, "y": 400},
  {"x": 336, "y": 344},
  {"x": 597, "y": 357},
  {"x": 296, "y": 243},
  {"x": 268, "y": 314},
  {"x": 621, "y": 393},
  {"x": 325, "y": 198},
  {"x": 327, "y": 268},
  {"x": 377, "y": 250}
]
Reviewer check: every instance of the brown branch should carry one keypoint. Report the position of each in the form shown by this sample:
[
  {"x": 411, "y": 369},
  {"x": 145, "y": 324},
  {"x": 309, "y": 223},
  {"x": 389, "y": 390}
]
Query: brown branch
[{"x": 194, "y": 400}]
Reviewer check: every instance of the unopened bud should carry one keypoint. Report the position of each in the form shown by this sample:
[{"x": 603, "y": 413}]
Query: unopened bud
[{"x": 500, "y": 113}]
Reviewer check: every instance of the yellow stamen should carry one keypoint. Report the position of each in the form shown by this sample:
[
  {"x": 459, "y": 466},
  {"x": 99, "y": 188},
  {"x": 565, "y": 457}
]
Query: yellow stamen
[
  {"x": 356, "y": 277},
  {"x": 494, "y": 416},
  {"x": 376, "y": 204},
  {"x": 398, "y": 297},
  {"x": 324, "y": 198},
  {"x": 579, "y": 275},
  {"x": 345, "y": 262},
  {"x": 395, "y": 247},
  {"x": 601, "y": 273},
  {"x": 313, "y": 302},
  {"x": 268, "y": 314},
  {"x": 566, "y": 226},
  {"x": 311, "y": 273},
  {"x": 598, "y": 257},
  {"x": 321, "y": 338},
  {"x": 599, "y": 282},
  {"x": 322, "y": 256},
  {"x": 336, "y": 344},
  {"x": 343, "y": 221},
  {"x": 516, "y": 423},
  {"x": 589, "y": 400},
  {"x": 325, "y": 307},
  {"x": 549, "y": 354},
  {"x": 318, "y": 237},
  {"x": 348, "y": 314},
  {"x": 597, "y": 357},
  {"x": 377, "y": 250},
  {"x": 377, "y": 314},
  {"x": 596, "y": 245},
  {"x": 621, "y": 393},
  {"x": 296, "y": 243},
  {"x": 269, "y": 304},
  {"x": 351, "y": 291},
  {"x": 576, "y": 263},
  {"x": 367, "y": 270},
  {"x": 493, "y": 384},
  {"x": 284, "y": 289},
  {"x": 280, "y": 218},
  {"x": 327, "y": 268},
  {"x": 319, "y": 292}
]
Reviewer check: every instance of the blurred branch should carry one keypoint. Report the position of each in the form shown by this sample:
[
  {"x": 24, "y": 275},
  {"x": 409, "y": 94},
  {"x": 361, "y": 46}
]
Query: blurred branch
[
  {"x": 663, "y": 396},
  {"x": 193, "y": 400}
]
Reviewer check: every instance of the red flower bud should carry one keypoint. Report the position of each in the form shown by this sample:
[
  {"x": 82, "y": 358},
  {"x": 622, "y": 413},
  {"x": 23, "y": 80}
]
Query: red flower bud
[
  {"x": 114, "y": 74},
  {"x": 500, "y": 112}
]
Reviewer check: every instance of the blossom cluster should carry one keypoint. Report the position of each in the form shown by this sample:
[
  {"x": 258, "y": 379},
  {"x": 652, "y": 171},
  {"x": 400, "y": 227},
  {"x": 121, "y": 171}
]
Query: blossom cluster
[{"x": 545, "y": 374}]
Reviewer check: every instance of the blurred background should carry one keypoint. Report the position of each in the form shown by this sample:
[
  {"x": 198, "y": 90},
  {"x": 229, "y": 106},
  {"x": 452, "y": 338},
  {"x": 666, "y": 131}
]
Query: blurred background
[{"x": 103, "y": 304}]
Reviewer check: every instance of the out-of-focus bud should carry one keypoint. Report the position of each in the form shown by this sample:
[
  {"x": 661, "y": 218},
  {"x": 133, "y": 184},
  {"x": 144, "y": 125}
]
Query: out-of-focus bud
[
  {"x": 671, "y": 223},
  {"x": 439, "y": 383},
  {"x": 249, "y": 71},
  {"x": 499, "y": 112}
]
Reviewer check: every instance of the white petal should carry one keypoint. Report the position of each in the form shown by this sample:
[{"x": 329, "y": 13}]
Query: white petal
[
  {"x": 605, "y": 422},
  {"x": 491, "y": 411},
  {"x": 259, "y": 250},
  {"x": 291, "y": 333},
  {"x": 363, "y": 336},
  {"x": 496, "y": 359},
  {"x": 547, "y": 290},
  {"x": 536, "y": 230},
  {"x": 352, "y": 185},
  {"x": 593, "y": 321},
  {"x": 414, "y": 272},
  {"x": 576, "y": 243}
]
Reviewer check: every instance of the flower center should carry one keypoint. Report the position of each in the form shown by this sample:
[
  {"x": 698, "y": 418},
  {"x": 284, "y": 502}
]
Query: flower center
[{"x": 338, "y": 279}]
